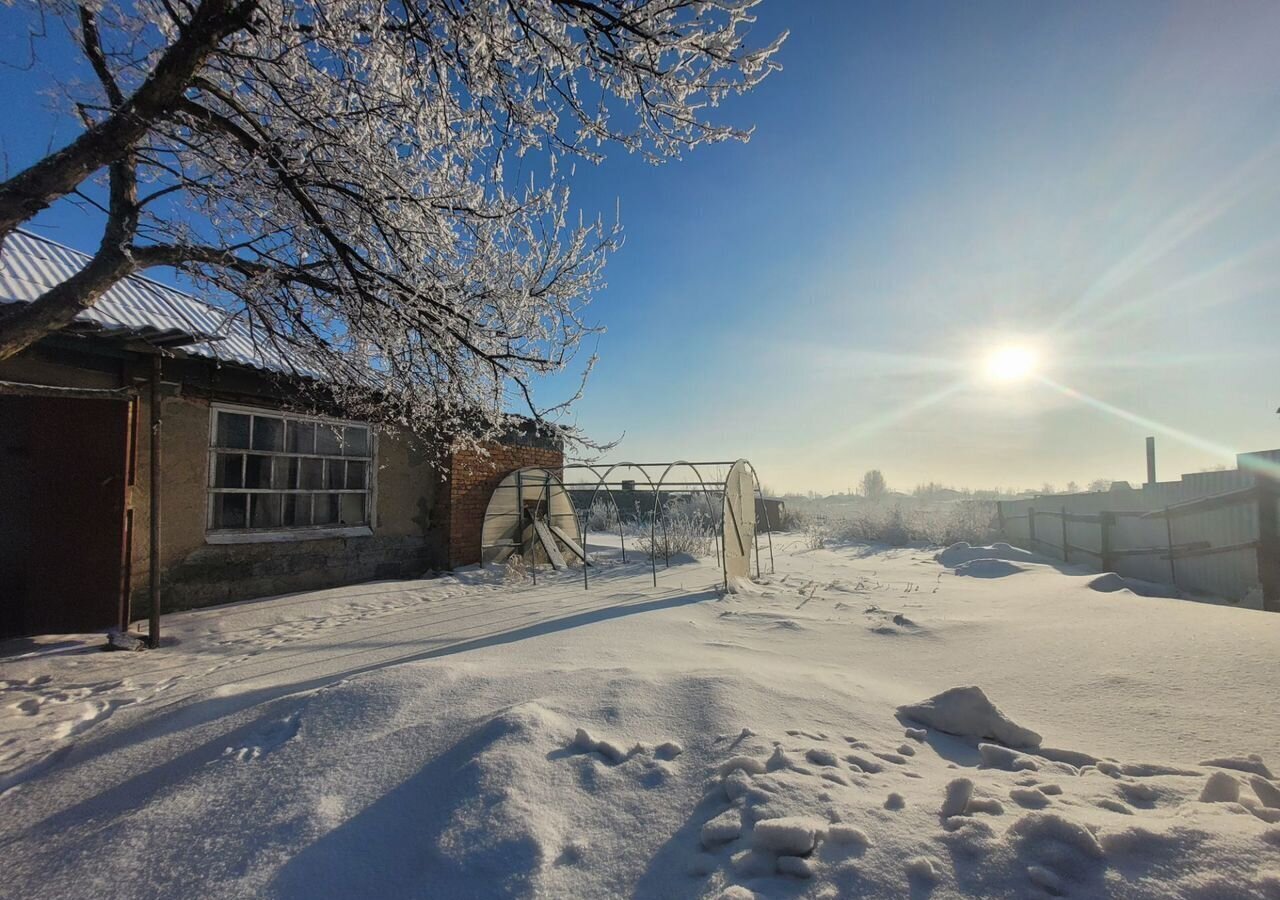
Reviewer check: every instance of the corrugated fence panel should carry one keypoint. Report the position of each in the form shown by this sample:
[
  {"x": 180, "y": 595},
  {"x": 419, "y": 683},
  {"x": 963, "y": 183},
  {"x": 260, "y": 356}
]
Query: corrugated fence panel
[
  {"x": 1233, "y": 574},
  {"x": 1232, "y": 527}
]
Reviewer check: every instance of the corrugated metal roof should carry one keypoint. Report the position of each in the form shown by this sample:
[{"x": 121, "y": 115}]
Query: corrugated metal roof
[{"x": 136, "y": 307}]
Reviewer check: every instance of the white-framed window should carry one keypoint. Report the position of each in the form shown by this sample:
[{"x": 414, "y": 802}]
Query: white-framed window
[{"x": 273, "y": 473}]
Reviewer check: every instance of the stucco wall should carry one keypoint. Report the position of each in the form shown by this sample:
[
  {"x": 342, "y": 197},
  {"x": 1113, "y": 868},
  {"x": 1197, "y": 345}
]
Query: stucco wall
[{"x": 408, "y": 534}]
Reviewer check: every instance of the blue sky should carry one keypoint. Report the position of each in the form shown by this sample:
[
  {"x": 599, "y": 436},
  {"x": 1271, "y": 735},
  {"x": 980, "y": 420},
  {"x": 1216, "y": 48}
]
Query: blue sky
[{"x": 929, "y": 181}]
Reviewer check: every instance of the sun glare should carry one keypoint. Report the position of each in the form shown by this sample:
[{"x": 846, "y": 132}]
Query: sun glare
[{"x": 1012, "y": 363}]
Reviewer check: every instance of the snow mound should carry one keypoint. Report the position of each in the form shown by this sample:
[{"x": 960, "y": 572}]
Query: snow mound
[
  {"x": 1111, "y": 583},
  {"x": 1268, "y": 793},
  {"x": 967, "y": 712},
  {"x": 963, "y": 552},
  {"x": 1251, "y": 764},
  {"x": 1220, "y": 788},
  {"x": 1108, "y": 583},
  {"x": 585, "y": 743},
  {"x": 790, "y": 835},
  {"x": 989, "y": 568},
  {"x": 996, "y": 756}
]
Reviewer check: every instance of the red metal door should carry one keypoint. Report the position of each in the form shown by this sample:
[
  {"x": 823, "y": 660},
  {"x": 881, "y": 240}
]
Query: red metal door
[{"x": 62, "y": 503}]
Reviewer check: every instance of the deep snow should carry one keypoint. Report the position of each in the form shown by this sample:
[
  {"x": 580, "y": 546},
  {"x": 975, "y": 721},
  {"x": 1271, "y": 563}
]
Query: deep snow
[{"x": 468, "y": 737}]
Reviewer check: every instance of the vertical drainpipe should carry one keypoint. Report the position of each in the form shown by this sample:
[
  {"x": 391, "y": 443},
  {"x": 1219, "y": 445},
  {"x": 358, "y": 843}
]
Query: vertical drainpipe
[{"x": 153, "y": 630}]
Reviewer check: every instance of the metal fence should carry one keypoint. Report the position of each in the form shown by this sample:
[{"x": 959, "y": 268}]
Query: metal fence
[{"x": 1212, "y": 532}]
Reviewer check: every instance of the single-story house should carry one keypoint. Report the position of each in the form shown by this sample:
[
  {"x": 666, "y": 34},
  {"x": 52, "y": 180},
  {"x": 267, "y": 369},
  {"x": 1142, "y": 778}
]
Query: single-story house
[{"x": 254, "y": 497}]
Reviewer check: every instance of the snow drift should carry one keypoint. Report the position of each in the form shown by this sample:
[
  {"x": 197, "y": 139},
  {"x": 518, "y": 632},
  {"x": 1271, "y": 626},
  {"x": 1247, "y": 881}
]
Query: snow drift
[{"x": 468, "y": 737}]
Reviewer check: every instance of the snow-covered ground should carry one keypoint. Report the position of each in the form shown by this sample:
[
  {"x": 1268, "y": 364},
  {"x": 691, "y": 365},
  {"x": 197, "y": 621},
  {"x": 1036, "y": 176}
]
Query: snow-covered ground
[{"x": 468, "y": 737}]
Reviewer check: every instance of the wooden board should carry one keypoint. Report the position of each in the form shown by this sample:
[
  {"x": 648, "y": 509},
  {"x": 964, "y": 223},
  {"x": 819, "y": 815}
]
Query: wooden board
[
  {"x": 570, "y": 543},
  {"x": 549, "y": 544}
]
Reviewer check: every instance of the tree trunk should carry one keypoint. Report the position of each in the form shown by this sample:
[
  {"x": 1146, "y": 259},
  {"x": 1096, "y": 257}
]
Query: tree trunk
[
  {"x": 59, "y": 305},
  {"x": 33, "y": 189}
]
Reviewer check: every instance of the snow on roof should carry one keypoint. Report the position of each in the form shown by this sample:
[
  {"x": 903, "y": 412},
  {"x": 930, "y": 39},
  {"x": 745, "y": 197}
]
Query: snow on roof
[{"x": 137, "y": 307}]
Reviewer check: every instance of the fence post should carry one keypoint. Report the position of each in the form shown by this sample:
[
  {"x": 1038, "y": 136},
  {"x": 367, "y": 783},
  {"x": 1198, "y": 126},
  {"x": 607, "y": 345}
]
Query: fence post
[
  {"x": 1000, "y": 519},
  {"x": 1031, "y": 528},
  {"x": 1066, "y": 556},
  {"x": 1268, "y": 544},
  {"x": 1173, "y": 563},
  {"x": 1108, "y": 520}
]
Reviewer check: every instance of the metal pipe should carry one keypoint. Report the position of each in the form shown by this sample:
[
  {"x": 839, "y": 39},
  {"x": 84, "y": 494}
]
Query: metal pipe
[
  {"x": 520, "y": 521},
  {"x": 622, "y": 540},
  {"x": 20, "y": 389},
  {"x": 153, "y": 626},
  {"x": 653, "y": 565},
  {"x": 658, "y": 499}
]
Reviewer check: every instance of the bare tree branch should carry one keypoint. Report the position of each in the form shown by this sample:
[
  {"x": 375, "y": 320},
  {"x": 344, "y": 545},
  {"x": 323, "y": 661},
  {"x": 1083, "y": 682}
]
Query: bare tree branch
[{"x": 337, "y": 173}]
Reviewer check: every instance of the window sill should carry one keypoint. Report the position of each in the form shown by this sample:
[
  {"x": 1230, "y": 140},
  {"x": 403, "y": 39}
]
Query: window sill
[{"x": 282, "y": 537}]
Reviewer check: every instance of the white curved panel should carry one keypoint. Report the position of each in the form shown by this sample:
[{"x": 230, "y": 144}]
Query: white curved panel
[
  {"x": 739, "y": 520},
  {"x": 538, "y": 490}
]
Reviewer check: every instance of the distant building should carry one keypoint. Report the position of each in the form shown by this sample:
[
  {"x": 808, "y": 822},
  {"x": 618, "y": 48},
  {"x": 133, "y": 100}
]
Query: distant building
[{"x": 771, "y": 513}]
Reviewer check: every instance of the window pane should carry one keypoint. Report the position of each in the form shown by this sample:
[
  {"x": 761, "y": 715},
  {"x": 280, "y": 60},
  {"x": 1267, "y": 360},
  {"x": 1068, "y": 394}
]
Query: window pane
[
  {"x": 284, "y": 474},
  {"x": 355, "y": 475},
  {"x": 227, "y": 470},
  {"x": 302, "y": 437},
  {"x": 296, "y": 509},
  {"x": 229, "y": 510},
  {"x": 355, "y": 441},
  {"x": 257, "y": 471},
  {"x": 268, "y": 434},
  {"x": 327, "y": 439},
  {"x": 233, "y": 430},
  {"x": 352, "y": 509},
  {"x": 311, "y": 476},
  {"x": 264, "y": 510},
  {"x": 326, "y": 509},
  {"x": 333, "y": 474}
]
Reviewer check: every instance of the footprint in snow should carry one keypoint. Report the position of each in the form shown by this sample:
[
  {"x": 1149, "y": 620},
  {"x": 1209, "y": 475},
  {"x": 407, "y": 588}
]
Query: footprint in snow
[{"x": 266, "y": 739}]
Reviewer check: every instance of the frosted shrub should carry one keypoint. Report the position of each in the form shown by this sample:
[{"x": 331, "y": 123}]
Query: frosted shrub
[
  {"x": 795, "y": 519},
  {"x": 516, "y": 570},
  {"x": 968, "y": 520},
  {"x": 815, "y": 533},
  {"x": 879, "y": 524},
  {"x": 683, "y": 529},
  {"x": 602, "y": 516}
]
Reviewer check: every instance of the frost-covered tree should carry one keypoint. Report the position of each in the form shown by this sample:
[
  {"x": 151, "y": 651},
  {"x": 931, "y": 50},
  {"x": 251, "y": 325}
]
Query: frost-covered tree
[
  {"x": 379, "y": 186},
  {"x": 873, "y": 485}
]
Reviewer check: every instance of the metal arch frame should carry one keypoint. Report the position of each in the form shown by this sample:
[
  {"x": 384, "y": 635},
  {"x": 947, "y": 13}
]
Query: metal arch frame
[
  {"x": 600, "y": 482},
  {"x": 656, "y": 514},
  {"x": 706, "y": 499}
]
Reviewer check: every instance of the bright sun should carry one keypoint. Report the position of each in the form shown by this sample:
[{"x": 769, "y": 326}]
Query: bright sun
[{"x": 1012, "y": 363}]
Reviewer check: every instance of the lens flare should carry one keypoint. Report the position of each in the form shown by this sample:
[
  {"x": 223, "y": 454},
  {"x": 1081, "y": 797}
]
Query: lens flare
[{"x": 1012, "y": 363}]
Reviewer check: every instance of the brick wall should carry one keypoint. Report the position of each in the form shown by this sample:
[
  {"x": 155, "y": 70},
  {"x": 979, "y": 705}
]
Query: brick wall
[{"x": 472, "y": 479}]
